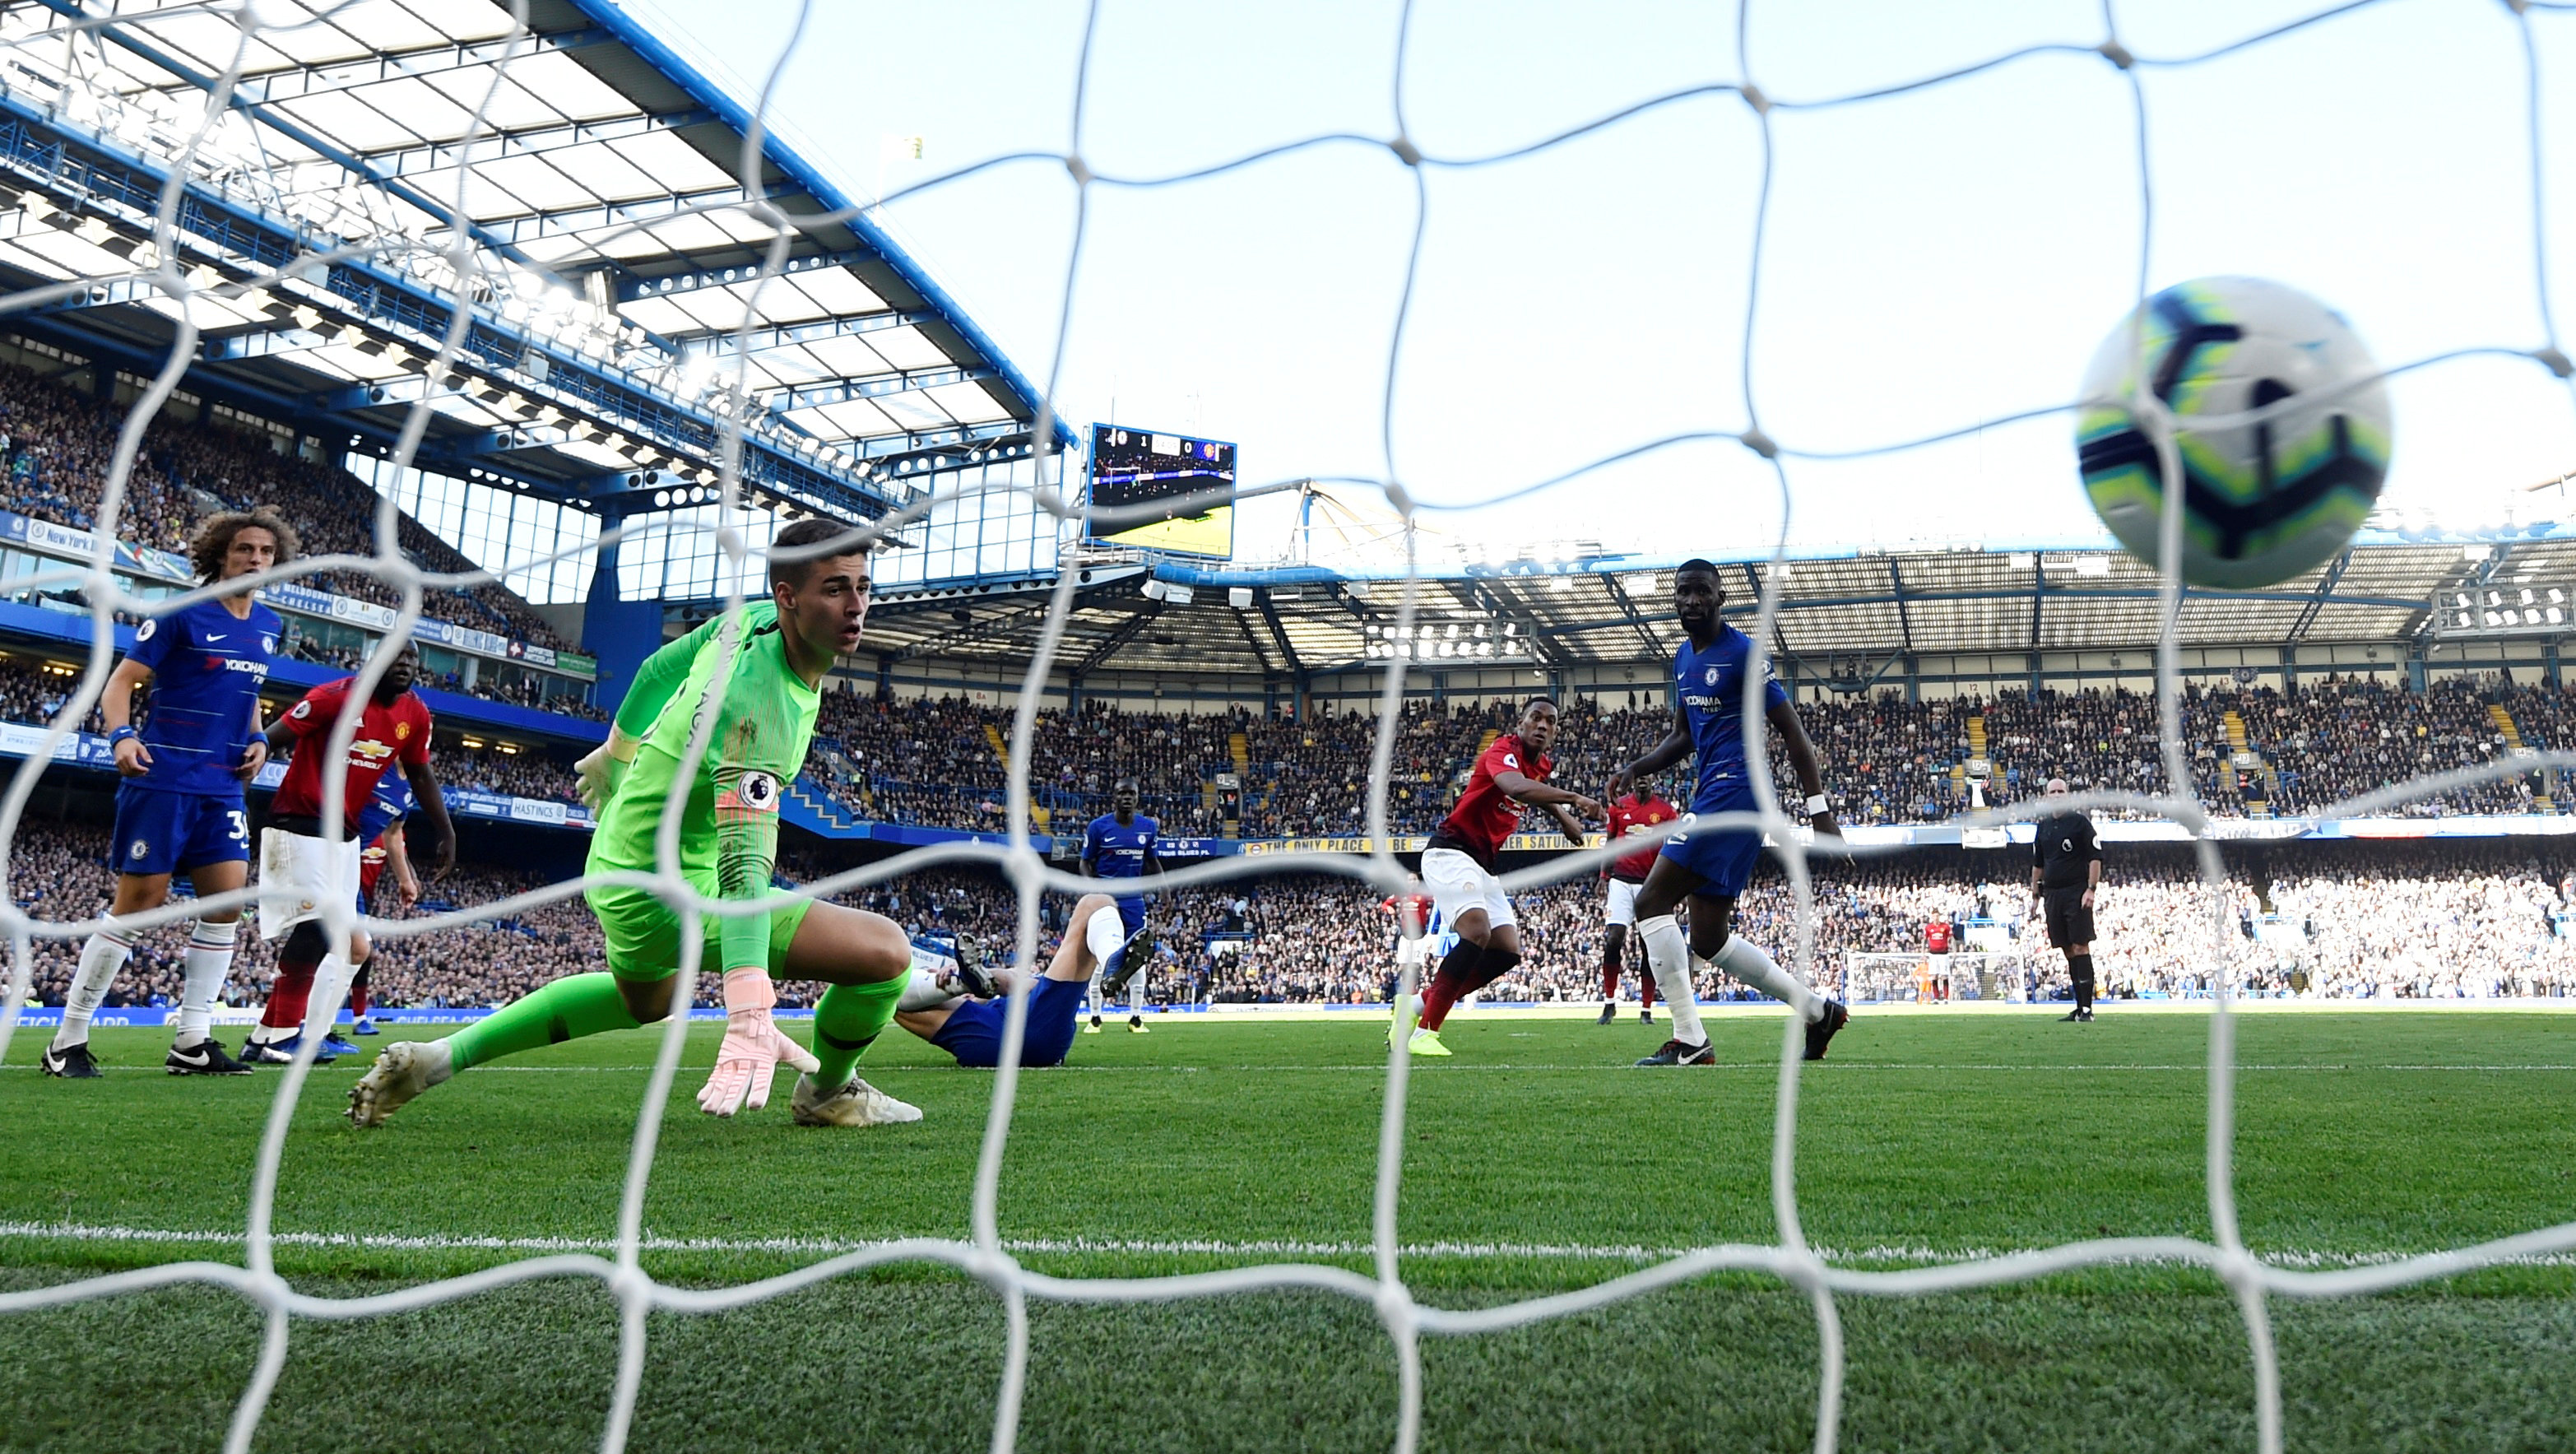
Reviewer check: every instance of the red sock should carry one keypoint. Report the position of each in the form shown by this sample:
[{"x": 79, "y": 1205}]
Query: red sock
[
  {"x": 1438, "y": 997},
  {"x": 1609, "y": 980},
  {"x": 288, "y": 995},
  {"x": 1455, "y": 977},
  {"x": 358, "y": 994},
  {"x": 1645, "y": 988}
]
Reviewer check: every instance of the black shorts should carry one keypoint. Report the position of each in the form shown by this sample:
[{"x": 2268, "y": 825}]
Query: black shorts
[{"x": 2069, "y": 922}]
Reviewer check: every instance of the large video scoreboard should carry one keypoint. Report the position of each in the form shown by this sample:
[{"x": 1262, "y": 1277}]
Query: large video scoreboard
[{"x": 1193, "y": 481}]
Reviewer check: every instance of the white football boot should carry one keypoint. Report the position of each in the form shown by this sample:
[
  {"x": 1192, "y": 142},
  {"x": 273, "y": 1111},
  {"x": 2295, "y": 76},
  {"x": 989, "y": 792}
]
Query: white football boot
[
  {"x": 856, "y": 1103},
  {"x": 402, "y": 1071}
]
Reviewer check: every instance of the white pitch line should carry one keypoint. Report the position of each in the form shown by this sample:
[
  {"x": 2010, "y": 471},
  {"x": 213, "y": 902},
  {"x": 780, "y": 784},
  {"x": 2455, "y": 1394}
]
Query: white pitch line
[{"x": 1259, "y": 1248}]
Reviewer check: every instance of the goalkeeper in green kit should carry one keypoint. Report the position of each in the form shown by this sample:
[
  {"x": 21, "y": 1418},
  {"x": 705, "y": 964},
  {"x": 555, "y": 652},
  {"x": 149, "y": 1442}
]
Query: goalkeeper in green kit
[{"x": 764, "y": 709}]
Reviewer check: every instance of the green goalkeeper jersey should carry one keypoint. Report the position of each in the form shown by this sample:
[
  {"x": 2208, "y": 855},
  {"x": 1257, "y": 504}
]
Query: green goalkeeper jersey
[{"x": 764, "y": 719}]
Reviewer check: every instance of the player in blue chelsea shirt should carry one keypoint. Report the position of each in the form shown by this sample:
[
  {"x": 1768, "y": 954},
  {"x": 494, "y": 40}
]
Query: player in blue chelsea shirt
[
  {"x": 1120, "y": 844},
  {"x": 380, "y": 848},
  {"x": 179, "y": 808},
  {"x": 1713, "y": 866}
]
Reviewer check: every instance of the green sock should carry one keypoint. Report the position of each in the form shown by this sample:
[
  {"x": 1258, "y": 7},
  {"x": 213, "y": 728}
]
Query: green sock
[
  {"x": 568, "y": 1009},
  {"x": 847, "y": 1020}
]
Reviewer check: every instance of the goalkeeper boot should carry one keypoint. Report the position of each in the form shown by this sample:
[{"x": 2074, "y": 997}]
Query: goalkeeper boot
[
  {"x": 1675, "y": 1052},
  {"x": 72, "y": 1062},
  {"x": 1136, "y": 1025},
  {"x": 1820, "y": 1031},
  {"x": 1608, "y": 1011},
  {"x": 856, "y": 1103},
  {"x": 402, "y": 1070},
  {"x": 2070, "y": 1017},
  {"x": 206, "y": 1057},
  {"x": 1426, "y": 1042}
]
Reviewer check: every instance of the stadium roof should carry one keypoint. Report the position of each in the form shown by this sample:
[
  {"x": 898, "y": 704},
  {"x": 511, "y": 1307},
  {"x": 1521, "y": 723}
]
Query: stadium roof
[
  {"x": 603, "y": 205},
  {"x": 1838, "y": 608}
]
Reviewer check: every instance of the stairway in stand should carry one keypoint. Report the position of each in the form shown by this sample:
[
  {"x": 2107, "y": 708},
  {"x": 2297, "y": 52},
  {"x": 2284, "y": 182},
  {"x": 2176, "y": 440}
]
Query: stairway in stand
[{"x": 2541, "y": 803}]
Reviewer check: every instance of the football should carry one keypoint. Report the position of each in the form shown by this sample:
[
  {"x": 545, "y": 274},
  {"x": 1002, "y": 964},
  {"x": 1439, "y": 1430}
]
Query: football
[{"x": 2280, "y": 425}]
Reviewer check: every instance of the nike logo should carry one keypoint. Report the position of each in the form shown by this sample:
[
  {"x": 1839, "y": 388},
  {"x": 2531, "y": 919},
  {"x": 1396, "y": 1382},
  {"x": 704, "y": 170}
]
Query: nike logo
[
  {"x": 214, "y": 636},
  {"x": 197, "y": 1056}
]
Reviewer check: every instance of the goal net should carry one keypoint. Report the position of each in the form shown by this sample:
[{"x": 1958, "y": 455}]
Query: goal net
[
  {"x": 1791, "y": 455},
  {"x": 1959, "y": 977}
]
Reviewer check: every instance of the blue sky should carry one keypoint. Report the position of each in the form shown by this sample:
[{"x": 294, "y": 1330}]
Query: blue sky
[{"x": 1931, "y": 259}]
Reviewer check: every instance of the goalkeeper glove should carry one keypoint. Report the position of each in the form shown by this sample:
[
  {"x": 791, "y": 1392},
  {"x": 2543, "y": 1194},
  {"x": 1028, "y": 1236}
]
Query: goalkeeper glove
[
  {"x": 604, "y": 768},
  {"x": 753, "y": 1046}
]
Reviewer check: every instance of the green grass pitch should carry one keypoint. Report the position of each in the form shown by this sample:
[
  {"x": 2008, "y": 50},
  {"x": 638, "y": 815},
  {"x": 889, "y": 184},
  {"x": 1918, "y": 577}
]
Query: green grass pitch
[{"x": 1535, "y": 1162}]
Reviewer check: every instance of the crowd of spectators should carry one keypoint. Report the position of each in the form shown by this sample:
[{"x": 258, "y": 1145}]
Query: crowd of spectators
[
  {"x": 2463, "y": 920},
  {"x": 56, "y": 445},
  {"x": 509, "y": 774},
  {"x": 31, "y": 694},
  {"x": 55, "y": 450},
  {"x": 934, "y": 761}
]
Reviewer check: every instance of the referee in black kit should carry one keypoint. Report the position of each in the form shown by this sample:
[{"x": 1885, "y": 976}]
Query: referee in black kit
[{"x": 2065, "y": 869}]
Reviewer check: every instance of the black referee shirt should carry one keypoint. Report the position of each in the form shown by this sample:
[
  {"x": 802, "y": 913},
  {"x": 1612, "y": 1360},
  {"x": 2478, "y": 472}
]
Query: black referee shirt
[{"x": 2061, "y": 847}]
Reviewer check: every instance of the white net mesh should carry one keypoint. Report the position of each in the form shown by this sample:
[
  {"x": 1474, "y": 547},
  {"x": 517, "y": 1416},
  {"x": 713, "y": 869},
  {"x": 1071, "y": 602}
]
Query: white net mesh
[{"x": 1790, "y": 1258}]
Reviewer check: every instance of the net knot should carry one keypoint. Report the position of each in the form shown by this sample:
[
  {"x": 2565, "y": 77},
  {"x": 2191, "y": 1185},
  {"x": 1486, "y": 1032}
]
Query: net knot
[
  {"x": 1405, "y": 151},
  {"x": 2554, "y": 361},
  {"x": 2237, "y": 1268},
  {"x": 631, "y": 1286},
  {"x": 1081, "y": 174},
  {"x": 2117, "y": 54},
  {"x": 1399, "y": 499},
  {"x": 1395, "y": 1307},
  {"x": 1760, "y": 443},
  {"x": 1754, "y": 98}
]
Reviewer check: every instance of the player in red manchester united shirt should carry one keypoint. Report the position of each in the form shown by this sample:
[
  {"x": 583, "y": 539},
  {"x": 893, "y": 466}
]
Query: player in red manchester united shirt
[
  {"x": 303, "y": 872},
  {"x": 1634, "y": 812},
  {"x": 1458, "y": 864},
  {"x": 1417, "y": 929}
]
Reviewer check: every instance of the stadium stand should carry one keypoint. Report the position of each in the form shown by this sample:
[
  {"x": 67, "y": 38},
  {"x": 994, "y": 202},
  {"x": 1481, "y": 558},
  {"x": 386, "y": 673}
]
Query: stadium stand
[
  {"x": 55, "y": 445},
  {"x": 2476, "y": 920},
  {"x": 931, "y": 761}
]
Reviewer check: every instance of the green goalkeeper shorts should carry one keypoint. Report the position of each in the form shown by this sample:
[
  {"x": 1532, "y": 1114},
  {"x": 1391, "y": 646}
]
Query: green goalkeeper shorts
[{"x": 643, "y": 933}]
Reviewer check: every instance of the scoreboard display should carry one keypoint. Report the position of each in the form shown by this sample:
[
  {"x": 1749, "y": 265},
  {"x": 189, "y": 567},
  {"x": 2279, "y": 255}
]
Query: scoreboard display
[{"x": 1191, "y": 480}]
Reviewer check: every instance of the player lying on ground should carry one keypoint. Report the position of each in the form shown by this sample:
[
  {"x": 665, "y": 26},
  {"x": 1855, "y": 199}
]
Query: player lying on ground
[
  {"x": 772, "y": 655},
  {"x": 1711, "y": 868},
  {"x": 1458, "y": 866},
  {"x": 946, "y": 1009},
  {"x": 1120, "y": 844},
  {"x": 303, "y": 870},
  {"x": 179, "y": 799}
]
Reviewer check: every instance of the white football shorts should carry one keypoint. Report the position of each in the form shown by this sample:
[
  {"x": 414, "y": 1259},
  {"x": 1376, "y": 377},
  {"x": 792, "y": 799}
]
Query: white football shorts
[
  {"x": 1459, "y": 883},
  {"x": 1623, "y": 903},
  {"x": 298, "y": 875}
]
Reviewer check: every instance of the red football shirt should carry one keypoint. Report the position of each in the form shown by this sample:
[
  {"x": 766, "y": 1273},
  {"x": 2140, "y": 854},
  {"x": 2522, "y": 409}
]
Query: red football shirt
[
  {"x": 386, "y": 735},
  {"x": 1627, "y": 816},
  {"x": 1486, "y": 815},
  {"x": 1412, "y": 912}
]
